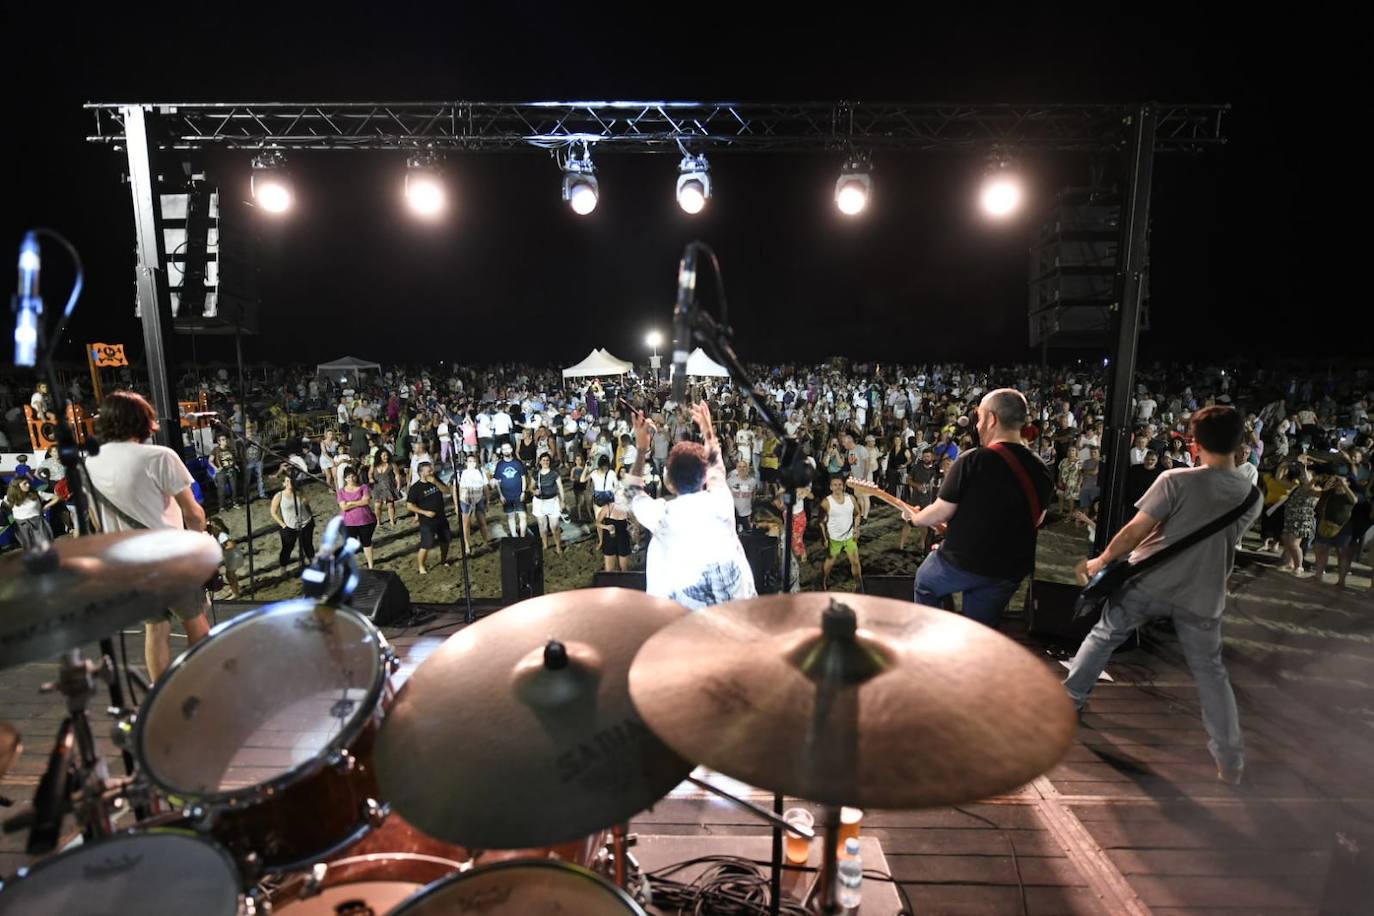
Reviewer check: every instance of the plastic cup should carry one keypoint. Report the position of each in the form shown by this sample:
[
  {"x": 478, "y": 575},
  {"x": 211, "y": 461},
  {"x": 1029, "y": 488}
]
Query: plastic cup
[{"x": 797, "y": 848}]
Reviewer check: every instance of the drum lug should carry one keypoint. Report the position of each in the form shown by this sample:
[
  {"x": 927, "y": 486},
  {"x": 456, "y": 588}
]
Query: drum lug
[
  {"x": 312, "y": 885},
  {"x": 342, "y": 761},
  {"x": 374, "y": 812},
  {"x": 393, "y": 661}
]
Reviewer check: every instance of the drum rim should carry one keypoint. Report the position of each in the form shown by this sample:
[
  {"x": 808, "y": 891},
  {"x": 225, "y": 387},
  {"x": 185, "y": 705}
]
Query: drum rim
[
  {"x": 27, "y": 873},
  {"x": 555, "y": 864},
  {"x": 346, "y": 736}
]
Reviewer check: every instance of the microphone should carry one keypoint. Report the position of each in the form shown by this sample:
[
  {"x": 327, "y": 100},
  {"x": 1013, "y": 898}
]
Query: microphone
[
  {"x": 27, "y": 305},
  {"x": 682, "y": 319}
]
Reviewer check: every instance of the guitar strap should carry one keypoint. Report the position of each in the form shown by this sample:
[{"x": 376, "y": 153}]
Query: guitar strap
[{"x": 1023, "y": 478}]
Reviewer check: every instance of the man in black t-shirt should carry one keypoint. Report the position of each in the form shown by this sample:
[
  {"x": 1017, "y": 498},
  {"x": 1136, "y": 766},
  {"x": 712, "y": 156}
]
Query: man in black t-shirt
[
  {"x": 426, "y": 499},
  {"x": 986, "y": 501}
]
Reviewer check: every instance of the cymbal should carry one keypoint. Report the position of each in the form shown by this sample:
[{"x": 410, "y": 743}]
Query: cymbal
[
  {"x": 920, "y": 707},
  {"x": 88, "y": 587},
  {"x": 10, "y": 746},
  {"x": 519, "y": 731}
]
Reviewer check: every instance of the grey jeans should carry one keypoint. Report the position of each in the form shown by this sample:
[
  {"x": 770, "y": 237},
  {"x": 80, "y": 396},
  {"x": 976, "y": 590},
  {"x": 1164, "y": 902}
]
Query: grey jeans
[{"x": 1200, "y": 638}]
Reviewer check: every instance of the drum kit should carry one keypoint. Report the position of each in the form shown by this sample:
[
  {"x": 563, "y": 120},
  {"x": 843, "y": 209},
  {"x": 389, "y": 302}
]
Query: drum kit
[{"x": 278, "y": 769}]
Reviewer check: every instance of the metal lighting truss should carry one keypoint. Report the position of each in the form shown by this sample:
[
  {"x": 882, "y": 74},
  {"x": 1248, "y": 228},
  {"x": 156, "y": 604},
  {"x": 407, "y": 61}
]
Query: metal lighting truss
[{"x": 654, "y": 126}]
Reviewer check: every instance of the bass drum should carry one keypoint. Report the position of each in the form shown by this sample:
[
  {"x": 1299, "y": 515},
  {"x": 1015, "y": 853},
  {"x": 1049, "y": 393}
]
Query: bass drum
[
  {"x": 396, "y": 860},
  {"x": 152, "y": 874},
  {"x": 533, "y": 888},
  {"x": 267, "y": 727}
]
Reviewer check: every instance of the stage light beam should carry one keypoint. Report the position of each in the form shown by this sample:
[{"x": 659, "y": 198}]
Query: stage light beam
[
  {"x": 425, "y": 192},
  {"x": 854, "y": 186},
  {"x": 693, "y": 184},
  {"x": 270, "y": 186},
  {"x": 1002, "y": 191}
]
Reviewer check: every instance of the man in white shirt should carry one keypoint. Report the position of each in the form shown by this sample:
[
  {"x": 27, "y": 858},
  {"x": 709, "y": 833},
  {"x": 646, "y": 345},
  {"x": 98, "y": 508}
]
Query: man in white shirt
[
  {"x": 39, "y": 401},
  {"x": 134, "y": 486},
  {"x": 743, "y": 483},
  {"x": 501, "y": 425},
  {"x": 1145, "y": 408},
  {"x": 695, "y": 556}
]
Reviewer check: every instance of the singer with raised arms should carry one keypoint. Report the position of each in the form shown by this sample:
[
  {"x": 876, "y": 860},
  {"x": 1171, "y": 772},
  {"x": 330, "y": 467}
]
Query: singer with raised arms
[{"x": 695, "y": 556}]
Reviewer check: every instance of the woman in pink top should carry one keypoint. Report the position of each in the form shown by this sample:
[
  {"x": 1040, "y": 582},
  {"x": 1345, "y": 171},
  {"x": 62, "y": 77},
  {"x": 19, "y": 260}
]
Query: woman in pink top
[{"x": 355, "y": 500}]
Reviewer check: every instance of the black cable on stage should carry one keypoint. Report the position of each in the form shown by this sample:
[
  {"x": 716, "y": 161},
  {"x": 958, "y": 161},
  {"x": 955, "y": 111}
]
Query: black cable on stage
[
  {"x": 726, "y": 892},
  {"x": 1015, "y": 860}
]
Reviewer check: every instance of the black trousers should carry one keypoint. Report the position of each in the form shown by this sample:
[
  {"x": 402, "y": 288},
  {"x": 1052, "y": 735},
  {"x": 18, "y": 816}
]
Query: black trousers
[{"x": 290, "y": 537}]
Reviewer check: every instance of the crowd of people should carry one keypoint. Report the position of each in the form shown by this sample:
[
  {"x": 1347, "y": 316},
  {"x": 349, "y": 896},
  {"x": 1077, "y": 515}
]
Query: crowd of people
[{"x": 516, "y": 446}]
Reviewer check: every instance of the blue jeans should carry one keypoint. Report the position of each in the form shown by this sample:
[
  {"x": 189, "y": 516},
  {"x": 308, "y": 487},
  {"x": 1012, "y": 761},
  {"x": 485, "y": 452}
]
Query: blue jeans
[
  {"x": 1200, "y": 638},
  {"x": 985, "y": 597},
  {"x": 254, "y": 470}
]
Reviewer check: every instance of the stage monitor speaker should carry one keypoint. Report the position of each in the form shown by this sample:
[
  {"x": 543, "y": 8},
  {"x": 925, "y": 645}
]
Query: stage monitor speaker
[
  {"x": 633, "y": 579},
  {"x": 903, "y": 588},
  {"x": 1049, "y": 614},
  {"x": 762, "y": 552},
  {"x": 382, "y": 597},
  {"x": 522, "y": 568}
]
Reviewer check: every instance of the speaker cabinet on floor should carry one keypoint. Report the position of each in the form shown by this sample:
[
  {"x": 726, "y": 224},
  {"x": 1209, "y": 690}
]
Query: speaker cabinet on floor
[
  {"x": 1049, "y": 614},
  {"x": 382, "y": 597},
  {"x": 903, "y": 588},
  {"x": 522, "y": 569},
  {"x": 762, "y": 551},
  {"x": 617, "y": 579}
]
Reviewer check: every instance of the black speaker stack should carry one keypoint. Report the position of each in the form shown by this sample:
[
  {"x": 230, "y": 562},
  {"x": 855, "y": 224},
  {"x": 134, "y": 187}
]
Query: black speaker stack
[
  {"x": 382, "y": 597},
  {"x": 522, "y": 569}
]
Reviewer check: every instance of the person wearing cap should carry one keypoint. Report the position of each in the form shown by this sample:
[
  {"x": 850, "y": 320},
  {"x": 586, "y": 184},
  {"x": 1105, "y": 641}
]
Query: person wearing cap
[{"x": 511, "y": 475}]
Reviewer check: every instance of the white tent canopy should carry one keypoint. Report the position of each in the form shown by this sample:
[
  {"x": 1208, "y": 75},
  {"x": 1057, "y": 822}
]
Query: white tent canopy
[
  {"x": 598, "y": 362},
  {"x": 347, "y": 364},
  {"x": 698, "y": 363},
  {"x": 629, "y": 367}
]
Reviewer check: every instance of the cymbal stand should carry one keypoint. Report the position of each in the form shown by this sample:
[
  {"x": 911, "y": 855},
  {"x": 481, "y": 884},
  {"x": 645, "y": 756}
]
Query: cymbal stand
[{"x": 827, "y": 889}]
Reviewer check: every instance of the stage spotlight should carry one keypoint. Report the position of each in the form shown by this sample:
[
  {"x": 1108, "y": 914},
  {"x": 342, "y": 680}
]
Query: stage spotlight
[
  {"x": 270, "y": 185},
  {"x": 1002, "y": 192},
  {"x": 424, "y": 186},
  {"x": 854, "y": 186},
  {"x": 580, "y": 188},
  {"x": 693, "y": 183}
]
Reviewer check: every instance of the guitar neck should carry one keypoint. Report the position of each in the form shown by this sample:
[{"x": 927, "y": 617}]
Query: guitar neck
[{"x": 884, "y": 496}]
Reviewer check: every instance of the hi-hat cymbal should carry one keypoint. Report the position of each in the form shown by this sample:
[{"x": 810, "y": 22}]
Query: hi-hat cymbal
[
  {"x": 88, "y": 587},
  {"x": 519, "y": 730},
  {"x": 921, "y": 707},
  {"x": 10, "y": 746}
]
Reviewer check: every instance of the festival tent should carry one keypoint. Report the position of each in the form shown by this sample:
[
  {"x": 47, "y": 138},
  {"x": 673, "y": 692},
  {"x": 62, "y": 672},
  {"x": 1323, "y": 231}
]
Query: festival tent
[
  {"x": 598, "y": 362},
  {"x": 629, "y": 367},
  {"x": 346, "y": 365},
  {"x": 698, "y": 363}
]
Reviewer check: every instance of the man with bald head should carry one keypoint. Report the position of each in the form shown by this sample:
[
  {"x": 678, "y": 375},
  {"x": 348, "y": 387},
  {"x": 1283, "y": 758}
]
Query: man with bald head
[{"x": 993, "y": 499}]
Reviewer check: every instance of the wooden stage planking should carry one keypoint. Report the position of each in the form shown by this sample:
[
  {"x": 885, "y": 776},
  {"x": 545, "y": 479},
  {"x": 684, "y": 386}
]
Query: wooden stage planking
[{"x": 1132, "y": 820}]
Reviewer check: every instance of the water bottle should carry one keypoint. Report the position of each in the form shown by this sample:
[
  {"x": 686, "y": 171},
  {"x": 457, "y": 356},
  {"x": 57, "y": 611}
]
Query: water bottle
[{"x": 851, "y": 876}]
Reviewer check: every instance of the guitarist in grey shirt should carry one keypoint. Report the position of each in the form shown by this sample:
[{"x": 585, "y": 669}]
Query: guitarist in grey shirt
[{"x": 1189, "y": 588}]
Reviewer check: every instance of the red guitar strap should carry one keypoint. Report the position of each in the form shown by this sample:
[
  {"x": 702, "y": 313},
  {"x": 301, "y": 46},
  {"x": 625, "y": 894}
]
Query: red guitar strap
[{"x": 1023, "y": 478}]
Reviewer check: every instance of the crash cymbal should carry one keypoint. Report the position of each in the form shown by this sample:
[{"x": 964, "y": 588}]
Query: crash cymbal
[
  {"x": 920, "y": 707},
  {"x": 88, "y": 587},
  {"x": 10, "y": 746},
  {"x": 519, "y": 731}
]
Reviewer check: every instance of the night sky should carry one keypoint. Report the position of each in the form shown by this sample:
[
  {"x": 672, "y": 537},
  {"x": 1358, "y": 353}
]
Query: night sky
[{"x": 1242, "y": 260}]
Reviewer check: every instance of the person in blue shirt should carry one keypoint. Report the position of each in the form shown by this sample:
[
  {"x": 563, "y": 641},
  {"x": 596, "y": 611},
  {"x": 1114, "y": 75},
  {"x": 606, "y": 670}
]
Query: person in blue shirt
[
  {"x": 511, "y": 475},
  {"x": 22, "y": 469}
]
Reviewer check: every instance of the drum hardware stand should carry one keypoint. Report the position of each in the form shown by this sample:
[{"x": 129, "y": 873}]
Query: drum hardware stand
[
  {"x": 715, "y": 337},
  {"x": 757, "y": 810},
  {"x": 81, "y": 785}
]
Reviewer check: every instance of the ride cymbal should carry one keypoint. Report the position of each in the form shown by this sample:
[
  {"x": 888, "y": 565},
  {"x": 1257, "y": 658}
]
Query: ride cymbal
[
  {"x": 519, "y": 730},
  {"x": 919, "y": 707},
  {"x": 85, "y": 588}
]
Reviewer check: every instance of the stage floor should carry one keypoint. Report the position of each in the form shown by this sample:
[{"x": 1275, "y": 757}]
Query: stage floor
[{"x": 1132, "y": 821}]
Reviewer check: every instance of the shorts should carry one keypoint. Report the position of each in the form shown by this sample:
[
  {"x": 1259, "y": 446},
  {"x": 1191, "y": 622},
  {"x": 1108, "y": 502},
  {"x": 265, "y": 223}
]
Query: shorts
[
  {"x": 769, "y": 475},
  {"x": 362, "y": 532},
  {"x": 469, "y": 447},
  {"x": 486, "y": 442},
  {"x": 505, "y": 439},
  {"x": 848, "y": 545},
  {"x": 468, "y": 506},
  {"x": 616, "y": 543},
  {"x": 233, "y": 560},
  {"x": 194, "y": 605},
  {"x": 547, "y": 508},
  {"x": 435, "y": 533},
  {"x": 1340, "y": 541},
  {"x": 513, "y": 505}
]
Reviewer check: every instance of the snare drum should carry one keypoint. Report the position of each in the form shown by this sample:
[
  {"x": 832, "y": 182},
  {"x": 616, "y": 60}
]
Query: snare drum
[
  {"x": 536, "y": 888},
  {"x": 267, "y": 728},
  {"x": 147, "y": 873}
]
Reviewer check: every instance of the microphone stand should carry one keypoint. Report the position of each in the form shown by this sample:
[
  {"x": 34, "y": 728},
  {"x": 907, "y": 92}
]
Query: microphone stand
[{"x": 715, "y": 338}]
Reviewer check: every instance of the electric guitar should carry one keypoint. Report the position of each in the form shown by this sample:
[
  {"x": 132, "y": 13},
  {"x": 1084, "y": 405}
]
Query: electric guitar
[{"x": 872, "y": 489}]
